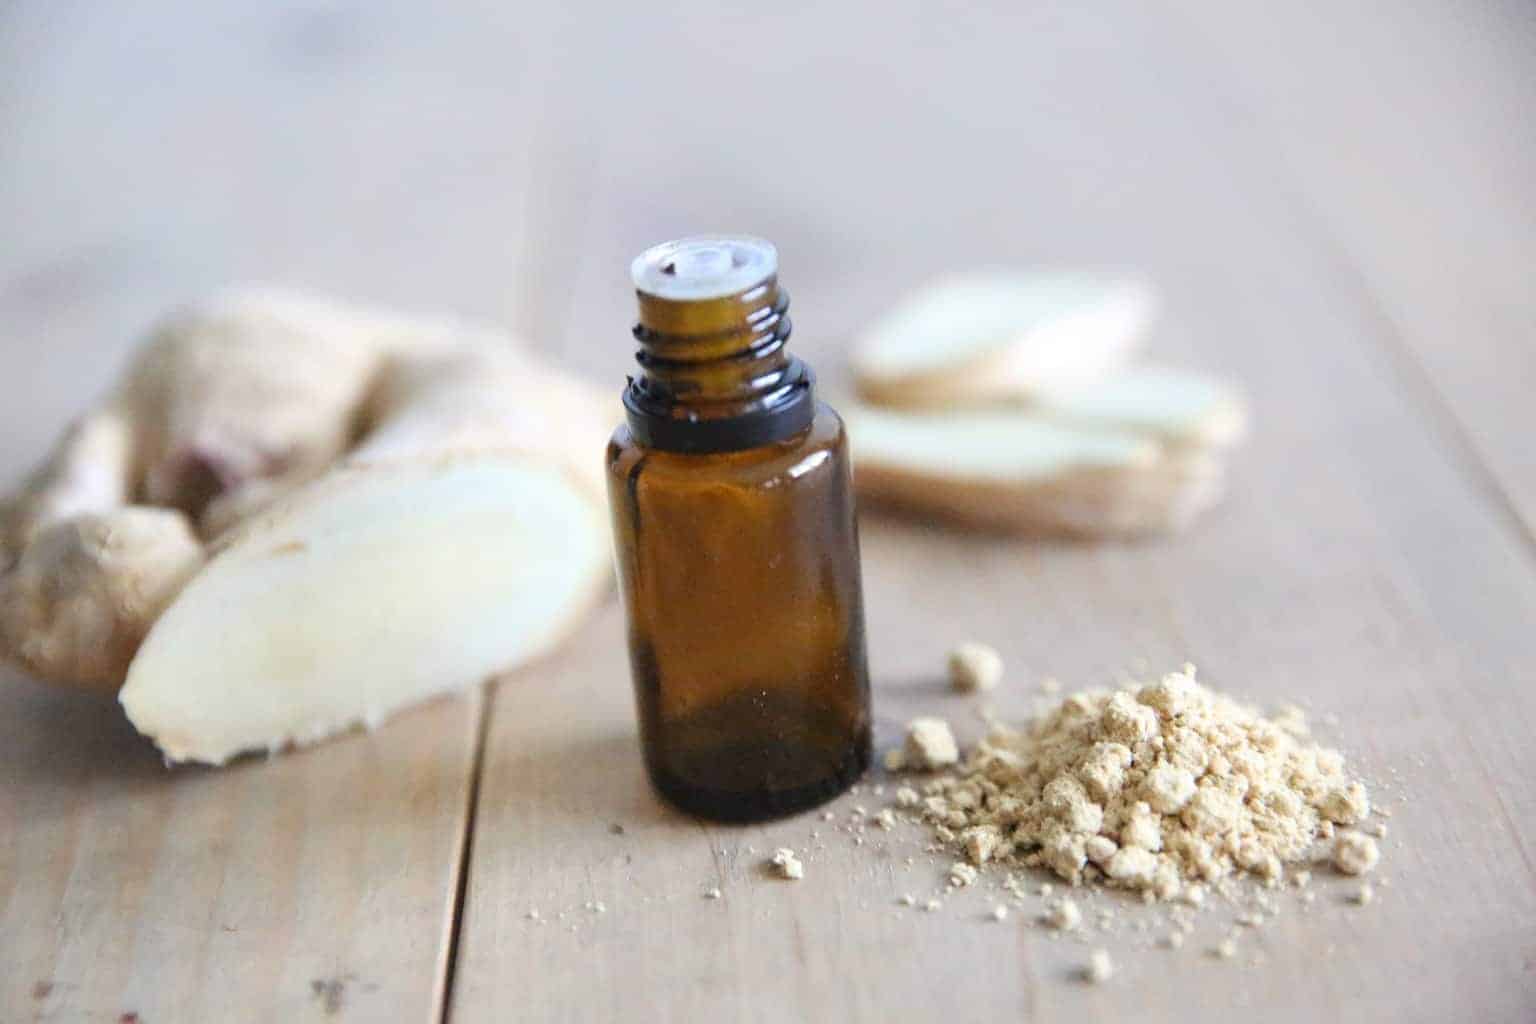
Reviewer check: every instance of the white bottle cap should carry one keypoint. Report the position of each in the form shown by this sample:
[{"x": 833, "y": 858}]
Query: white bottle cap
[{"x": 704, "y": 267}]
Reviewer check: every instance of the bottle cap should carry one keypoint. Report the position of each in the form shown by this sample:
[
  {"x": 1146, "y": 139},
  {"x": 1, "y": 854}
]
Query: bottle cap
[{"x": 704, "y": 267}]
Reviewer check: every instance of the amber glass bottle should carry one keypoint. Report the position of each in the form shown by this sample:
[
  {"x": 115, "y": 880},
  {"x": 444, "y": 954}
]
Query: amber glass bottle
[{"x": 737, "y": 549}]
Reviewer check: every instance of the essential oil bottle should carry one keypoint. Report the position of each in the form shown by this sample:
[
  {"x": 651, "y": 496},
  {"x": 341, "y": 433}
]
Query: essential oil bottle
[{"x": 737, "y": 548}]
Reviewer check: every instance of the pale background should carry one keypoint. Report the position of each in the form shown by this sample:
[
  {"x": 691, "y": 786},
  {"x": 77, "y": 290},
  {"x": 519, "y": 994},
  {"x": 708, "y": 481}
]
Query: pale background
[{"x": 1338, "y": 201}]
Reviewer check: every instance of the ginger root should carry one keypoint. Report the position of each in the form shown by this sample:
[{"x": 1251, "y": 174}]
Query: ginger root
[{"x": 265, "y": 427}]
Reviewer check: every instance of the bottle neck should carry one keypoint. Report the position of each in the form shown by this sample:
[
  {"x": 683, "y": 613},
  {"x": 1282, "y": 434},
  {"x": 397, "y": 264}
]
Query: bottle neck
[{"x": 715, "y": 375}]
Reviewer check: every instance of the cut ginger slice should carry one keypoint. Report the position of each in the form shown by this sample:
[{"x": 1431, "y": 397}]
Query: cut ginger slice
[
  {"x": 1001, "y": 336},
  {"x": 366, "y": 592},
  {"x": 1018, "y": 471},
  {"x": 1176, "y": 407}
]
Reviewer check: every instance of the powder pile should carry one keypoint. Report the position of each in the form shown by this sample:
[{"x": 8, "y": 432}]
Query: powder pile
[{"x": 1153, "y": 788}]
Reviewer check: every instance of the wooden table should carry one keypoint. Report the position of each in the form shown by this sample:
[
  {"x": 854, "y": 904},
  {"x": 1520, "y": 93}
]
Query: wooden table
[{"x": 1340, "y": 208}]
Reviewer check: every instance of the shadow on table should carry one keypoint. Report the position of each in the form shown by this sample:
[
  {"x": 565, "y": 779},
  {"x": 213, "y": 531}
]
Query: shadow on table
[{"x": 68, "y": 736}]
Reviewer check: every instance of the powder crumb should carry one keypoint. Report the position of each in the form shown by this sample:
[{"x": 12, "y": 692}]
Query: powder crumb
[
  {"x": 885, "y": 819},
  {"x": 1292, "y": 719},
  {"x": 1251, "y": 920},
  {"x": 1050, "y": 685},
  {"x": 974, "y": 667},
  {"x": 599, "y": 907},
  {"x": 1063, "y": 916},
  {"x": 787, "y": 864},
  {"x": 1100, "y": 967},
  {"x": 1379, "y": 830},
  {"x": 961, "y": 875},
  {"x": 827, "y": 816},
  {"x": 999, "y": 913},
  {"x": 1302, "y": 878},
  {"x": 712, "y": 894},
  {"x": 1346, "y": 805},
  {"x": 907, "y": 797},
  {"x": 930, "y": 745},
  {"x": 1226, "y": 949},
  {"x": 981, "y": 843},
  {"x": 1046, "y": 888},
  {"x": 1355, "y": 854},
  {"x": 1173, "y": 940},
  {"x": 534, "y": 915},
  {"x": 1100, "y": 849},
  {"x": 1363, "y": 895},
  {"x": 1169, "y": 788},
  {"x": 933, "y": 905},
  {"x": 907, "y": 900}
]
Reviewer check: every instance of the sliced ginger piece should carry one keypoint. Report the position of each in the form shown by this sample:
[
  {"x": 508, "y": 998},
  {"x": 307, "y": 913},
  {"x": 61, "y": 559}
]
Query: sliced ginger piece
[
  {"x": 1001, "y": 336},
  {"x": 1179, "y": 408},
  {"x": 371, "y": 590},
  {"x": 1015, "y": 471}
]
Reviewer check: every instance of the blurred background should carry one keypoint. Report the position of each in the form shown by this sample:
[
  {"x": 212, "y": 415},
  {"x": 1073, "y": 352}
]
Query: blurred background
[{"x": 1360, "y": 169}]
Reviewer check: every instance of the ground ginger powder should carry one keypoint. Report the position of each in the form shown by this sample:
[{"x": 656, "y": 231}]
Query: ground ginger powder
[{"x": 1155, "y": 788}]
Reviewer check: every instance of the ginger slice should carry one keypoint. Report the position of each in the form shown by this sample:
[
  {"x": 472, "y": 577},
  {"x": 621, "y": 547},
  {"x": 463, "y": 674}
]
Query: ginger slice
[
  {"x": 367, "y": 592},
  {"x": 992, "y": 336},
  {"x": 1179, "y": 408},
  {"x": 1013, "y": 470}
]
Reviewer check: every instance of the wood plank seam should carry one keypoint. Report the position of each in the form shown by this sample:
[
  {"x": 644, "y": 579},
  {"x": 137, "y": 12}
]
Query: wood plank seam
[{"x": 465, "y": 854}]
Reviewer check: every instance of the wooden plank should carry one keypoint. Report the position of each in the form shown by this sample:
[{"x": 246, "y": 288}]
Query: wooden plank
[
  {"x": 289, "y": 889},
  {"x": 1353, "y": 568},
  {"x": 1413, "y": 155}
]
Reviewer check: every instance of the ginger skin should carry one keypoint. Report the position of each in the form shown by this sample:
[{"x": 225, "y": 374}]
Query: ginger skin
[
  {"x": 231, "y": 404},
  {"x": 84, "y": 592}
]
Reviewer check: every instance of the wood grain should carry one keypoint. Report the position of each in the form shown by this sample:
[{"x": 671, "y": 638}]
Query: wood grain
[
  {"x": 272, "y": 890},
  {"x": 1413, "y": 158},
  {"x": 1337, "y": 208}
]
